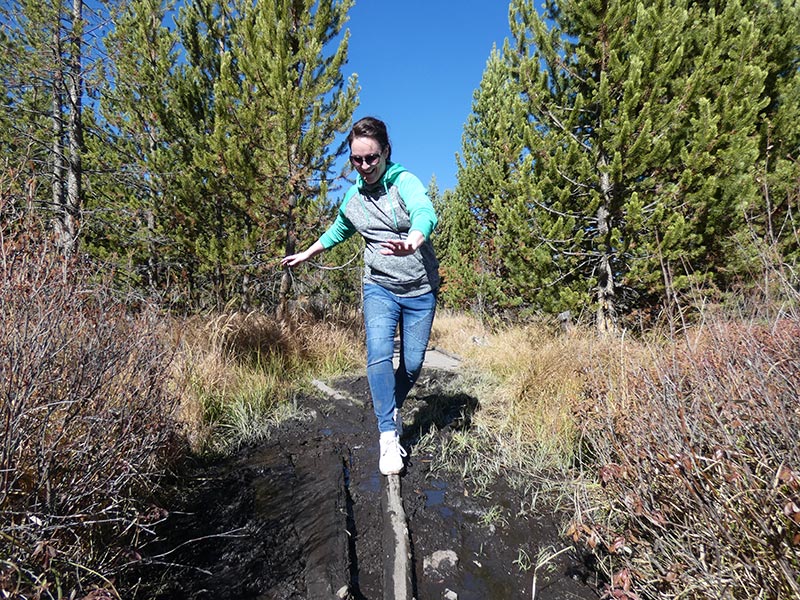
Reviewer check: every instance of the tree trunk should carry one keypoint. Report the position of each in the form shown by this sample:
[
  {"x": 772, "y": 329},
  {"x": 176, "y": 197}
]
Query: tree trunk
[
  {"x": 152, "y": 259},
  {"x": 606, "y": 296},
  {"x": 74, "y": 173},
  {"x": 220, "y": 298},
  {"x": 286, "y": 278},
  {"x": 58, "y": 126}
]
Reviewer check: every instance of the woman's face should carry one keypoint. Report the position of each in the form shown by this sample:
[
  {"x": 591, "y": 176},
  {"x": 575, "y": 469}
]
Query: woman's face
[{"x": 368, "y": 158}]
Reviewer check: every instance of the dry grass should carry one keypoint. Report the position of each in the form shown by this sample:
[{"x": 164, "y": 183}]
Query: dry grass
[
  {"x": 242, "y": 371},
  {"x": 528, "y": 411},
  {"x": 527, "y": 380},
  {"x": 457, "y": 333},
  {"x": 681, "y": 455}
]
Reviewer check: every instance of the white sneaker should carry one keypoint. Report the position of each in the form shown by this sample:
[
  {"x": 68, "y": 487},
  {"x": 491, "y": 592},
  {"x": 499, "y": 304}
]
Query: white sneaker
[
  {"x": 398, "y": 422},
  {"x": 392, "y": 453}
]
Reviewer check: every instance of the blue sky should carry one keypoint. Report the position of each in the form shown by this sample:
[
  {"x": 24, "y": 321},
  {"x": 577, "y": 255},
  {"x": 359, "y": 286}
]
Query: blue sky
[{"x": 418, "y": 64}]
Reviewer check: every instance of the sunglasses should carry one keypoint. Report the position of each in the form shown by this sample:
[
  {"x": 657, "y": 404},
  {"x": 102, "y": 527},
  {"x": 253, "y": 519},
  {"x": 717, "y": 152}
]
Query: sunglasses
[{"x": 370, "y": 159}]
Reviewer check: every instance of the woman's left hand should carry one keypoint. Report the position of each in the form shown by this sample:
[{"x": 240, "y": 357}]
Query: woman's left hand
[{"x": 403, "y": 247}]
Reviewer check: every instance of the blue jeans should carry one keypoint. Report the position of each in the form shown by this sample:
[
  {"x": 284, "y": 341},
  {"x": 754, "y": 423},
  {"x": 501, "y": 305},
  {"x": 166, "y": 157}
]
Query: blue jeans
[{"x": 383, "y": 312}]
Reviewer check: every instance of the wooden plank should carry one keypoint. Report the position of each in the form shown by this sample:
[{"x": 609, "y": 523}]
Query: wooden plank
[{"x": 397, "y": 581}]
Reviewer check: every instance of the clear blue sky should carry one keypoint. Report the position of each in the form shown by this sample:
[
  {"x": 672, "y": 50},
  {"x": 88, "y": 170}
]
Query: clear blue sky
[{"x": 418, "y": 64}]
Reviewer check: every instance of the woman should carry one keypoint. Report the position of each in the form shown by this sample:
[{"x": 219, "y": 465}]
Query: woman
[{"x": 390, "y": 208}]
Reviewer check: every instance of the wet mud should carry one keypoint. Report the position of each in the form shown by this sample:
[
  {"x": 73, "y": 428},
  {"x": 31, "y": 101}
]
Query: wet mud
[{"x": 300, "y": 516}]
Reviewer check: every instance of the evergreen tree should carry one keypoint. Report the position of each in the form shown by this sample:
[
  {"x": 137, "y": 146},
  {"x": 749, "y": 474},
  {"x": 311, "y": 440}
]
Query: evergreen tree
[
  {"x": 473, "y": 269},
  {"x": 433, "y": 190},
  {"x": 294, "y": 101},
  {"x": 773, "y": 219},
  {"x": 204, "y": 211},
  {"x": 133, "y": 219},
  {"x": 23, "y": 121},
  {"x": 43, "y": 55},
  {"x": 640, "y": 143},
  {"x": 230, "y": 119},
  {"x": 456, "y": 245}
]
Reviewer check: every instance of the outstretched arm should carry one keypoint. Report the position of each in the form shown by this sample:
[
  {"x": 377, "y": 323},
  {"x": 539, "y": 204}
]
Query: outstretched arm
[
  {"x": 421, "y": 213},
  {"x": 295, "y": 259}
]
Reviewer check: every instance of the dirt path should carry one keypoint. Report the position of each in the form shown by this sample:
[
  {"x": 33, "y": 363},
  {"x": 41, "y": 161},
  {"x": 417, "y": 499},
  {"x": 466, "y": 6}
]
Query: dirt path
[{"x": 302, "y": 515}]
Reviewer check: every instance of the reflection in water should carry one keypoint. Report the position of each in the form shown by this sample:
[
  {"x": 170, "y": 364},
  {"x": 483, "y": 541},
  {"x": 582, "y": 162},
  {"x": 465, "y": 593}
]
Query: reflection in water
[
  {"x": 434, "y": 498},
  {"x": 372, "y": 484}
]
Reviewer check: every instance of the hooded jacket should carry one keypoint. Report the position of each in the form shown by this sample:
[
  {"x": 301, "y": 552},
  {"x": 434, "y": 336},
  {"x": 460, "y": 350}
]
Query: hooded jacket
[{"x": 396, "y": 204}]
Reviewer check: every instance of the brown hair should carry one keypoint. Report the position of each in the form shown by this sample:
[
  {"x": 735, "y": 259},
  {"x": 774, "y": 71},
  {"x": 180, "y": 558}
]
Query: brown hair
[{"x": 372, "y": 128}]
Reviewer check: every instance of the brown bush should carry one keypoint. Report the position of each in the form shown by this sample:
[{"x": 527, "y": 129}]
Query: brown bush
[
  {"x": 86, "y": 424},
  {"x": 699, "y": 475}
]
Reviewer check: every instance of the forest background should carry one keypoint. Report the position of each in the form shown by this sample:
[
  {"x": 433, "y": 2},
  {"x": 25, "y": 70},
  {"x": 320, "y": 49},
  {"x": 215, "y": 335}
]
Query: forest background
[
  {"x": 619, "y": 159},
  {"x": 633, "y": 164}
]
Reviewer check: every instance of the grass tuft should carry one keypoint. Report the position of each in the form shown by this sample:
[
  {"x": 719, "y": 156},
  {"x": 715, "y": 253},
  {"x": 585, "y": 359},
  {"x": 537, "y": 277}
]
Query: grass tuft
[{"x": 242, "y": 371}]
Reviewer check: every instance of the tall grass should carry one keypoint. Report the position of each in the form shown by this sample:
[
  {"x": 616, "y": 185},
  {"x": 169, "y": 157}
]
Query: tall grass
[
  {"x": 677, "y": 455},
  {"x": 527, "y": 380},
  {"x": 242, "y": 371}
]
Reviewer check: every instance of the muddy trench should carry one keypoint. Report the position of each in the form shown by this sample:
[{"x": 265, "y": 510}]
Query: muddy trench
[{"x": 304, "y": 516}]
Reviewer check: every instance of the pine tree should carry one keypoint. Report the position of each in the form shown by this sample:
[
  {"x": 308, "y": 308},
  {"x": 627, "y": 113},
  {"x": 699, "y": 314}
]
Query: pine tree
[
  {"x": 230, "y": 119},
  {"x": 43, "y": 54},
  {"x": 639, "y": 150},
  {"x": 773, "y": 220},
  {"x": 277, "y": 105},
  {"x": 487, "y": 173},
  {"x": 456, "y": 244},
  {"x": 133, "y": 220},
  {"x": 23, "y": 121},
  {"x": 306, "y": 104}
]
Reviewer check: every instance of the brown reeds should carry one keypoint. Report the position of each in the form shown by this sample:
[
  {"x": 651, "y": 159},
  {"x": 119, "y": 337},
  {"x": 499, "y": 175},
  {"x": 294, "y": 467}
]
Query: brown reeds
[
  {"x": 86, "y": 426},
  {"x": 696, "y": 453}
]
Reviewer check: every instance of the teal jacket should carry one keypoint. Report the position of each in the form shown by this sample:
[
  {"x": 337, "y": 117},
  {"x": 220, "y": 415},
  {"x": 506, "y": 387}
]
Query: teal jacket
[{"x": 389, "y": 209}]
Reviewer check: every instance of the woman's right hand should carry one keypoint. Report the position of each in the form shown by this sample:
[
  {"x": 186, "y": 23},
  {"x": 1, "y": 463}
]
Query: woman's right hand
[{"x": 294, "y": 259}]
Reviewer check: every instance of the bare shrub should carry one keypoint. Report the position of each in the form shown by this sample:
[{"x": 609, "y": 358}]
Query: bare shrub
[
  {"x": 86, "y": 425},
  {"x": 697, "y": 456}
]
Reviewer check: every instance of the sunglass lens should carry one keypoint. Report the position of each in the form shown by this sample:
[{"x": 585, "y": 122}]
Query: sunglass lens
[{"x": 369, "y": 159}]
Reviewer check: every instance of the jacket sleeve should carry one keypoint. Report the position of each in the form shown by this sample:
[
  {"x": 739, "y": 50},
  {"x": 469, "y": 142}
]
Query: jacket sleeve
[
  {"x": 339, "y": 231},
  {"x": 420, "y": 208}
]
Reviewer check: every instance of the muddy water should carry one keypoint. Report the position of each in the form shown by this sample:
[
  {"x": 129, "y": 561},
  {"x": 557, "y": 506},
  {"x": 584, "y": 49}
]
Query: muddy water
[{"x": 300, "y": 517}]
